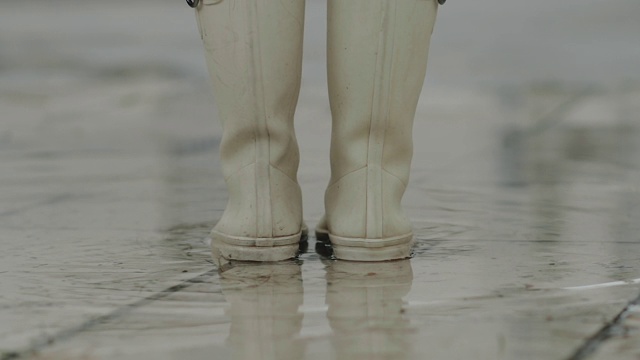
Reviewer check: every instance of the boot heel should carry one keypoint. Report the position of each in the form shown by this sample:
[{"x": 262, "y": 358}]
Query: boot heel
[
  {"x": 261, "y": 250},
  {"x": 395, "y": 248}
]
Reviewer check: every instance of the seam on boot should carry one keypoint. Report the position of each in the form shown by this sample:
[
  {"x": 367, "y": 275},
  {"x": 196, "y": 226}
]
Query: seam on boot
[
  {"x": 284, "y": 173},
  {"x": 380, "y": 108},
  {"x": 264, "y": 211},
  {"x": 272, "y": 166},
  {"x": 227, "y": 178},
  {"x": 331, "y": 184},
  {"x": 405, "y": 183}
]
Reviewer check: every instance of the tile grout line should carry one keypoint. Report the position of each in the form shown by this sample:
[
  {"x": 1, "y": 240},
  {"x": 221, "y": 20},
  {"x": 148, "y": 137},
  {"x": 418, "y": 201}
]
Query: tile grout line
[
  {"x": 66, "y": 334},
  {"x": 552, "y": 118},
  {"x": 557, "y": 114},
  {"x": 49, "y": 201},
  {"x": 610, "y": 330}
]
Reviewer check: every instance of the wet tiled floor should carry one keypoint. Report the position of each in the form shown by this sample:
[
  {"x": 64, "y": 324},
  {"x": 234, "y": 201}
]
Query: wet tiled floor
[{"x": 525, "y": 195}]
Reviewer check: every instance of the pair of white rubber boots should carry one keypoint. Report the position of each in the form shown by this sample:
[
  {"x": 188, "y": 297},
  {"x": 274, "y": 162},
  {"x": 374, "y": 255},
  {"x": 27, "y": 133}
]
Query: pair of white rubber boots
[{"x": 377, "y": 56}]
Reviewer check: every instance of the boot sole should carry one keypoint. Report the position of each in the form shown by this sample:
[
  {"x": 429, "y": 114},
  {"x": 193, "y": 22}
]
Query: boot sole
[
  {"x": 360, "y": 249},
  {"x": 257, "y": 249}
]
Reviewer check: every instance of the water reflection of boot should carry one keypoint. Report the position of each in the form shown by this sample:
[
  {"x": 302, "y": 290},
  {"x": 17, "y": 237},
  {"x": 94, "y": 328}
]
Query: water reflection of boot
[
  {"x": 366, "y": 309},
  {"x": 264, "y": 301}
]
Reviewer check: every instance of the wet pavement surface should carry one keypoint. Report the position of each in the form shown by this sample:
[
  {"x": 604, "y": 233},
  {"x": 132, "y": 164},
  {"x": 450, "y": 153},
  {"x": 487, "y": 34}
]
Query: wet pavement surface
[{"x": 525, "y": 195}]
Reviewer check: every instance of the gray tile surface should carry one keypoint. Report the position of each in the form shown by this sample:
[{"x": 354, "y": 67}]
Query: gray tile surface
[{"x": 525, "y": 194}]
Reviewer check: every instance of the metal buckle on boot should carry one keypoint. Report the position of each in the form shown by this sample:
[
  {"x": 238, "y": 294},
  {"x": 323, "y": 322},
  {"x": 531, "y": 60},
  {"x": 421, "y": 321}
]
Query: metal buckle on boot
[{"x": 193, "y": 3}]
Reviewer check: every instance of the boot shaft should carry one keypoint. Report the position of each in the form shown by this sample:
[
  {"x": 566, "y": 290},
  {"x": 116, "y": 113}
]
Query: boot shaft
[
  {"x": 377, "y": 58},
  {"x": 254, "y": 55}
]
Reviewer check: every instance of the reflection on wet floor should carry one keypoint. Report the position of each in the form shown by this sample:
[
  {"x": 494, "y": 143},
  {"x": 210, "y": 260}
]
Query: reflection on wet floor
[
  {"x": 366, "y": 309},
  {"x": 263, "y": 309}
]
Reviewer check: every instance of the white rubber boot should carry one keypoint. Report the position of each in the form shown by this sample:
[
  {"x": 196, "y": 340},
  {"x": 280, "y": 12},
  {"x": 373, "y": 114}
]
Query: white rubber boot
[
  {"x": 377, "y": 58},
  {"x": 254, "y": 54}
]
